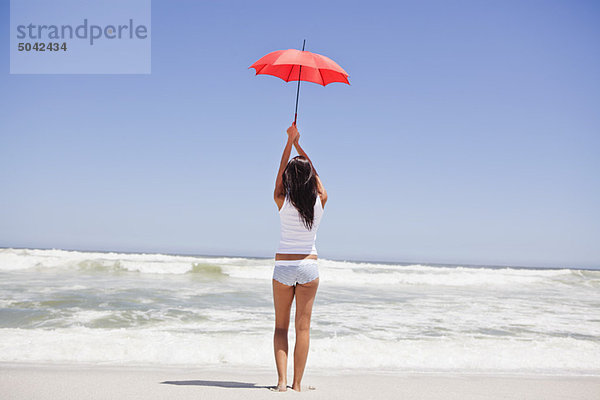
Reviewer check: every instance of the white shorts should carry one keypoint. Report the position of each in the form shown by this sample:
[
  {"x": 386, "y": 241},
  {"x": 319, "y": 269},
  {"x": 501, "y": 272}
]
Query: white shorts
[{"x": 290, "y": 272}]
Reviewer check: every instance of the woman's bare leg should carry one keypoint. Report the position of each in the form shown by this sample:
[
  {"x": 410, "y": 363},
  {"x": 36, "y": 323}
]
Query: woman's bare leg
[
  {"x": 283, "y": 295},
  {"x": 305, "y": 297}
]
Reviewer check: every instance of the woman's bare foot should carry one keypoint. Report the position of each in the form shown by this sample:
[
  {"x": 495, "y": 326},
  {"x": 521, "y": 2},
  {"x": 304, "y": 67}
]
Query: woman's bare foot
[
  {"x": 299, "y": 388},
  {"x": 281, "y": 387}
]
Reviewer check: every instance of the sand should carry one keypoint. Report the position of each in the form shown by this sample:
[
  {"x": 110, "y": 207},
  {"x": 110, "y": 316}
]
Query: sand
[{"x": 56, "y": 381}]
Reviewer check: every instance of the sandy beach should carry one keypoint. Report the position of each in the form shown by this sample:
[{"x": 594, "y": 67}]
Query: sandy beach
[{"x": 39, "y": 381}]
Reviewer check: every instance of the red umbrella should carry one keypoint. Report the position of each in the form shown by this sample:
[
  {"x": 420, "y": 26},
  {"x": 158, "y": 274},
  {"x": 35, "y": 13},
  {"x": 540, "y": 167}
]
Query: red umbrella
[{"x": 296, "y": 65}]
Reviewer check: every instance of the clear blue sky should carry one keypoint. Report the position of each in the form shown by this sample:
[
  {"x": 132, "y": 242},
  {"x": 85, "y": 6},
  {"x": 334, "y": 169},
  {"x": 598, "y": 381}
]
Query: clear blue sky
[{"x": 470, "y": 134}]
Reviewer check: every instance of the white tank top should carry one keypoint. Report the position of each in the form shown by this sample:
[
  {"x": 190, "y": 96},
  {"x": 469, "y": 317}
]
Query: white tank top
[{"x": 295, "y": 238}]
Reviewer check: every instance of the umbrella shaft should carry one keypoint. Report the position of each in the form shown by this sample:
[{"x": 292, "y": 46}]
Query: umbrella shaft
[{"x": 298, "y": 90}]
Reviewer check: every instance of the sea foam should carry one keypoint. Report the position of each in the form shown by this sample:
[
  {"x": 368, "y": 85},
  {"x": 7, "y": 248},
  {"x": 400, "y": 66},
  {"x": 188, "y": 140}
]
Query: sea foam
[{"x": 117, "y": 308}]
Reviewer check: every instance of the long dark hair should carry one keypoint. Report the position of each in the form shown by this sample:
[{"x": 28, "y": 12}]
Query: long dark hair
[{"x": 300, "y": 183}]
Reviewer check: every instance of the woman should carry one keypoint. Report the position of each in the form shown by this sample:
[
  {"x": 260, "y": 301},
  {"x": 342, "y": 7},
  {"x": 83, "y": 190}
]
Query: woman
[{"x": 300, "y": 197}]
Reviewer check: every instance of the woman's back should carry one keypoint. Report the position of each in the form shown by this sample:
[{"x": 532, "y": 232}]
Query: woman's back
[{"x": 295, "y": 238}]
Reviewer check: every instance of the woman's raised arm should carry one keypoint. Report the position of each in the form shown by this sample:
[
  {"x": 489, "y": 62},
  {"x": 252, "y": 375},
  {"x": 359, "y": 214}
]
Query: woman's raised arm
[
  {"x": 301, "y": 151},
  {"x": 292, "y": 132}
]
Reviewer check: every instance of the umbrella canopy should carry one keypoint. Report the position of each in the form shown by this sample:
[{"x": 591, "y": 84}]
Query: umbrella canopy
[{"x": 297, "y": 65}]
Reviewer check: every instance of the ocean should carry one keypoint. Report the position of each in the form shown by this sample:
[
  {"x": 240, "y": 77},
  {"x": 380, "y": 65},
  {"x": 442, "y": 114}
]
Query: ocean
[{"x": 60, "y": 306}]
